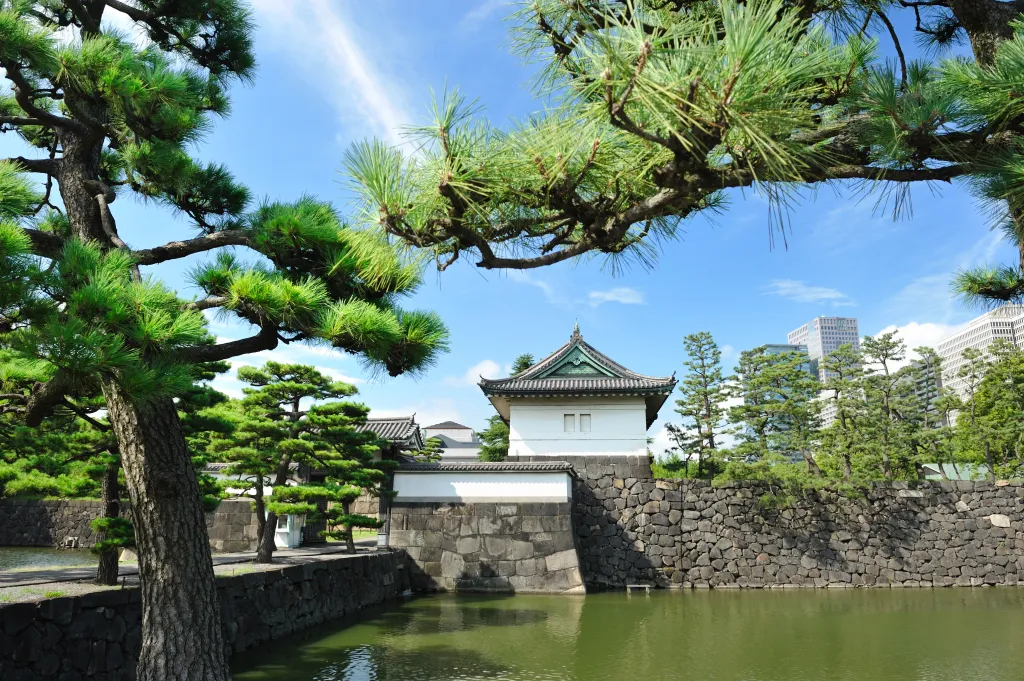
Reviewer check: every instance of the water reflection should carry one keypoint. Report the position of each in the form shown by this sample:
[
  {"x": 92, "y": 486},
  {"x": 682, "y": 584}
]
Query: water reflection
[{"x": 862, "y": 635}]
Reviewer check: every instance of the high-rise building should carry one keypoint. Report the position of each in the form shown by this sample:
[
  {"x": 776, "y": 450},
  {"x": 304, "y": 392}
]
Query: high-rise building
[
  {"x": 1006, "y": 323},
  {"x": 824, "y": 335},
  {"x": 779, "y": 348}
]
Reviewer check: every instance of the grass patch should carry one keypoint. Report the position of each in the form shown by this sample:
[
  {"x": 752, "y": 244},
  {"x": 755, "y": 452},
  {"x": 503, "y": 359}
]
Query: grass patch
[{"x": 53, "y": 594}]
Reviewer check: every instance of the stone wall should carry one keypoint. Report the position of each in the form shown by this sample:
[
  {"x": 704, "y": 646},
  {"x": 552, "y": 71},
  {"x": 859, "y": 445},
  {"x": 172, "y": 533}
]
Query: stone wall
[
  {"x": 97, "y": 636},
  {"x": 523, "y": 547},
  {"x": 38, "y": 522},
  {"x": 232, "y": 526},
  {"x": 634, "y": 529}
]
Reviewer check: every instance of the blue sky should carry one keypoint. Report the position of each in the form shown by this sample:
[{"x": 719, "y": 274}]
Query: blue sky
[{"x": 335, "y": 72}]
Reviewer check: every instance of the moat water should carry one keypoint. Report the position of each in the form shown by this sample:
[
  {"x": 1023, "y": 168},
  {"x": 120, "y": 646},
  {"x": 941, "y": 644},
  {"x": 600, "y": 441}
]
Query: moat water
[{"x": 805, "y": 635}]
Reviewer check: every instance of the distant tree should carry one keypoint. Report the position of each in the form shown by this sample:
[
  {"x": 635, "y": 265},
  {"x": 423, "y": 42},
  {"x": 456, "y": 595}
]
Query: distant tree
[
  {"x": 522, "y": 363},
  {"x": 998, "y": 408},
  {"x": 885, "y": 391},
  {"x": 494, "y": 440},
  {"x": 844, "y": 373},
  {"x": 431, "y": 451},
  {"x": 702, "y": 404}
]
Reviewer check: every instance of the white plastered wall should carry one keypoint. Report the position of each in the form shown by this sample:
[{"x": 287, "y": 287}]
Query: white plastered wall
[
  {"x": 494, "y": 486},
  {"x": 618, "y": 426}
]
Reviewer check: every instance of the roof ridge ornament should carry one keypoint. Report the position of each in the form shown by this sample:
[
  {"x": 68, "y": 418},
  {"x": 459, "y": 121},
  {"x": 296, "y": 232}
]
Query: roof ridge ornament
[{"x": 576, "y": 330}]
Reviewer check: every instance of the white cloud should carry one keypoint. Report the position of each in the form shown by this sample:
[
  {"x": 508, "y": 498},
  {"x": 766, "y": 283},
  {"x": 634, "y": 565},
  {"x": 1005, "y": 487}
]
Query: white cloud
[
  {"x": 320, "y": 41},
  {"x": 482, "y": 12},
  {"x": 917, "y": 334},
  {"x": 487, "y": 369},
  {"x": 802, "y": 292},
  {"x": 622, "y": 294}
]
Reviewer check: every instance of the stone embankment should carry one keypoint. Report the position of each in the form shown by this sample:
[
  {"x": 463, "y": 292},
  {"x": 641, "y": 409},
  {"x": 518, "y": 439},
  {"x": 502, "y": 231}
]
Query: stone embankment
[
  {"x": 58, "y": 523},
  {"x": 515, "y": 547},
  {"x": 632, "y": 528},
  {"x": 97, "y": 636}
]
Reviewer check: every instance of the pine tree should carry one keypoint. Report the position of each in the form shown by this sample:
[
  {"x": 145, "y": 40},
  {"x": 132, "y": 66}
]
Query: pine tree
[
  {"x": 844, "y": 388},
  {"x": 662, "y": 108},
  {"x": 779, "y": 413},
  {"x": 702, "y": 404},
  {"x": 884, "y": 389},
  {"x": 114, "y": 118},
  {"x": 350, "y": 462},
  {"x": 494, "y": 439},
  {"x": 275, "y": 418}
]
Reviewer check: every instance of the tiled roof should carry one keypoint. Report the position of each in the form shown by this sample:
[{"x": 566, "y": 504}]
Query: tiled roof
[
  {"x": 641, "y": 385},
  {"x": 448, "y": 425},
  {"x": 485, "y": 467},
  {"x": 597, "y": 374},
  {"x": 392, "y": 429}
]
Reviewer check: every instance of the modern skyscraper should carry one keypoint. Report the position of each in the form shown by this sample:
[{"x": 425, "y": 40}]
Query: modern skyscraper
[
  {"x": 824, "y": 335},
  {"x": 1006, "y": 322},
  {"x": 780, "y": 348}
]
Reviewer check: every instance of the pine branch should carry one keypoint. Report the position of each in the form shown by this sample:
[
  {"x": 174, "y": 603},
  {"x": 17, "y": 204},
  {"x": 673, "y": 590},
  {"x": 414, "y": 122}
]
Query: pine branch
[
  {"x": 35, "y": 165},
  {"x": 44, "y": 243},
  {"x": 180, "y": 249},
  {"x": 266, "y": 339},
  {"x": 23, "y": 95}
]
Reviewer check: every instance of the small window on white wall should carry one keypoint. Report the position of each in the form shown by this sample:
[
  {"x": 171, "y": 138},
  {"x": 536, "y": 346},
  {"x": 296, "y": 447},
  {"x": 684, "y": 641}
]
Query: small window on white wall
[
  {"x": 570, "y": 423},
  {"x": 584, "y": 423}
]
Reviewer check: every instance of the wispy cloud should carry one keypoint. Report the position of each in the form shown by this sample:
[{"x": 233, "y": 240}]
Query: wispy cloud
[
  {"x": 622, "y": 294},
  {"x": 549, "y": 291},
  {"x": 803, "y": 292},
  {"x": 320, "y": 40},
  {"x": 930, "y": 296},
  {"x": 482, "y": 12}
]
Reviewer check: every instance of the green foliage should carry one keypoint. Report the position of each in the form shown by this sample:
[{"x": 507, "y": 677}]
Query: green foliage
[
  {"x": 494, "y": 439},
  {"x": 118, "y": 533},
  {"x": 653, "y": 111},
  {"x": 275, "y": 430},
  {"x": 887, "y": 421},
  {"x": 701, "y": 406}
]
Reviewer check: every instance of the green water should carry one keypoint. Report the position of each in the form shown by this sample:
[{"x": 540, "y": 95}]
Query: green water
[
  {"x": 857, "y": 635},
  {"x": 27, "y": 557}
]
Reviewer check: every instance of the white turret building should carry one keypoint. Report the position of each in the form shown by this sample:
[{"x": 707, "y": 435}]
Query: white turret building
[{"x": 577, "y": 402}]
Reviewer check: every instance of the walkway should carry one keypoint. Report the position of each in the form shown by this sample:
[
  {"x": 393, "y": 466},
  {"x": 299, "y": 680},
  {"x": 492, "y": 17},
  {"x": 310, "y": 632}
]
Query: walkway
[{"x": 129, "y": 571}]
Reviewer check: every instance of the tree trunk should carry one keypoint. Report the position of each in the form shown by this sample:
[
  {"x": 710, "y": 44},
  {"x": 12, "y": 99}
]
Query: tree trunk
[
  {"x": 350, "y": 542},
  {"x": 987, "y": 24},
  {"x": 812, "y": 465},
  {"x": 106, "y": 572},
  {"x": 265, "y": 551},
  {"x": 990, "y": 462},
  {"x": 181, "y": 628}
]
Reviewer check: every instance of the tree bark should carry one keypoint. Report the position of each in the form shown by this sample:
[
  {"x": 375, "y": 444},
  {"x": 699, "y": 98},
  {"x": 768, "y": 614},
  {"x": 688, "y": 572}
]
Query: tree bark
[
  {"x": 181, "y": 628},
  {"x": 106, "y": 572},
  {"x": 987, "y": 23},
  {"x": 350, "y": 542}
]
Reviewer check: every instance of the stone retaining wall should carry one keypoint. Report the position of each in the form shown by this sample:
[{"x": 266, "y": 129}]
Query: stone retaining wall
[
  {"x": 632, "y": 528},
  {"x": 517, "y": 547},
  {"x": 42, "y": 522},
  {"x": 97, "y": 636}
]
